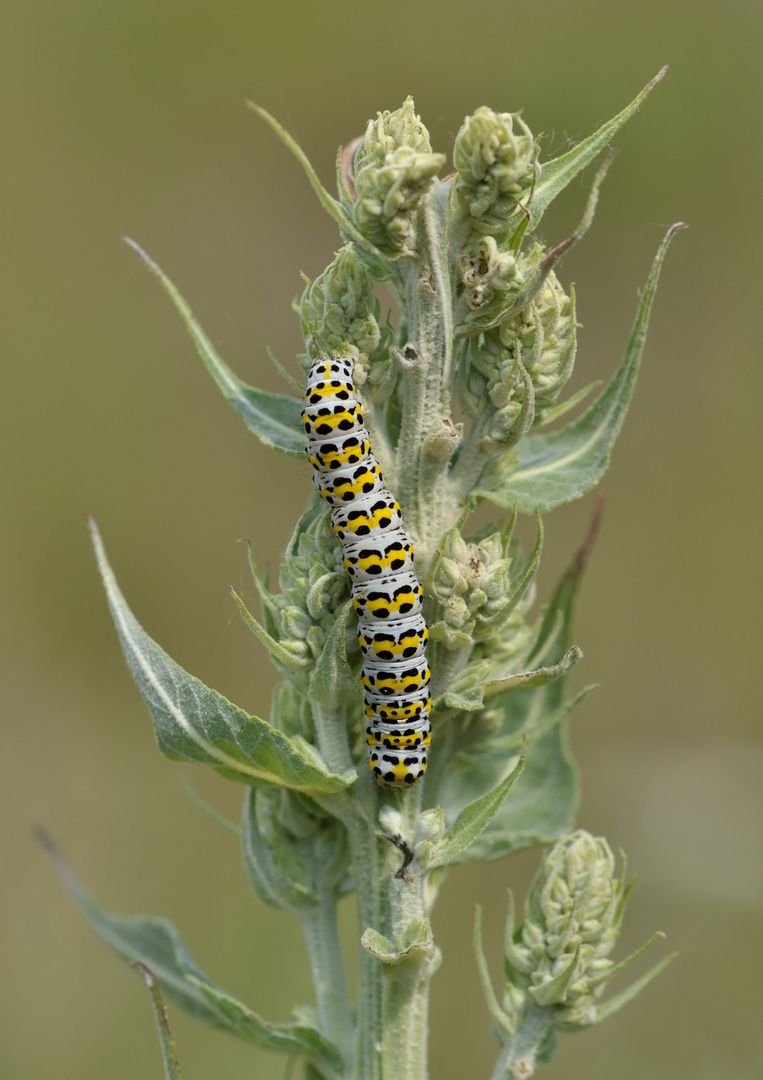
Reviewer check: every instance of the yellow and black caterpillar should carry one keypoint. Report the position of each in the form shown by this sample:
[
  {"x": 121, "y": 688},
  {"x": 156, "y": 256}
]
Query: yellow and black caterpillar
[{"x": 378, "y": 556}]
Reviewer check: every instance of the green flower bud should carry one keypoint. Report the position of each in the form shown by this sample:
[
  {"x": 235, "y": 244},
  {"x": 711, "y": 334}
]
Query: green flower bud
[
  {"x": 489, "y": 271},
  {"x": 497, "y": 162},
  {"x": 521, "y": 365},
  {"x": 394, "y": 168},
  {"x": 543, "y": 335},
  {"x": 493, "y": 282},
  {"x": 473, "y": 583},
  {"x": 313, "y": 587},
  {"x": 573, "y": 915},
  {"x": 340, "y": 310}
]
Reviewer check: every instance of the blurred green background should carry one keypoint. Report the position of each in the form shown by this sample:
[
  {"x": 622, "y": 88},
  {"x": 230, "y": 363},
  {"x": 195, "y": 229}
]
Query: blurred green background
[{"x": 127, "y": 118}]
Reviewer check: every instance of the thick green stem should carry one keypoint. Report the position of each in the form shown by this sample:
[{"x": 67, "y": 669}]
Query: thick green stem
[
  {"x": 423, "y": 455},
  {"x": 367, "y": 871},
  {"x": 319, "y": 927},
  {"x": 405, "y": 1011}
]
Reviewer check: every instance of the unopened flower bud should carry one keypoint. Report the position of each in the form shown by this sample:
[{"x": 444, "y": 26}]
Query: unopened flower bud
[
  {"x": 497, "y": 162},
  {"x": 572, "y": 920},
  {"x": 313, "y": 587},
  {"x": 340, "y": 310},
  {"x": 393, "y": 170}
]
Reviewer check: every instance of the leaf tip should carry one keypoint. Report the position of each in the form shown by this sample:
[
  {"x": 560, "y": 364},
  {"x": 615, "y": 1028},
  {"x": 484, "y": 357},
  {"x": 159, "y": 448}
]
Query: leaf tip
[
  {"x": 583, "y": 554},
  {"x": 51, "y": 848},
  {"x": 657, "y": 78}
]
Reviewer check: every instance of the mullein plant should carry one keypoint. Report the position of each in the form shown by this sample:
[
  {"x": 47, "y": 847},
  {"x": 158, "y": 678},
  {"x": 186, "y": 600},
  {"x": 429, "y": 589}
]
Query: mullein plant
[{"x": 459, "y": 386}]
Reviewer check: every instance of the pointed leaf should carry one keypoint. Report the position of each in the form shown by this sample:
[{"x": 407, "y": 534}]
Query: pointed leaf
[
  {"x": 616, "y": 1003},
  {"x": 539, "y": 677},
  {"x": 472, "y": 698},
  {"x": 194, "y": 723},
  {"x": 500, "y": 1019},
  {"x": 284, "y": 660},
  {"x": 474, "y": 818},
  {"x": 557, "y": 468},
  {"x": 543, "y": 803},
  {"x": 210, "y": 811},
  {"x": 167, "y": 1043},
  {"x": 157, "y": 944},
  {"x": 328, "y": 202},
  {"x": 554, "y": 991},
  {"x": 558, "y": 173},
  {"x": 274, "y": 418},
  {"x": 555, "y": 411}
]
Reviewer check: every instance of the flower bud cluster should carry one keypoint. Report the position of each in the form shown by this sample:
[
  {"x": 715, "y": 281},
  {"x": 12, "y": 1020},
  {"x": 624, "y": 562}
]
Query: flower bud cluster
[
  {"x": 574, "y": 910},
  {"x": 496, "y": 157},
  {"x": 473, "y": 584},
  {"x": 393, "y": 169},
  {"x": 340, "y": 317},
  {"x": 521, "y": 365},
  {"x": 340, "y": 309},
  {"x": 543, "y": 336},
  {"x": 314, "y": 585}
]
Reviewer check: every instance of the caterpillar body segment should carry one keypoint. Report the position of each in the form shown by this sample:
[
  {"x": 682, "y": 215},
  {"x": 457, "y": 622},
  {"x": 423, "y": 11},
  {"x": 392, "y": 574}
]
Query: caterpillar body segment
[
  {"x": 378, "y": 557},
  {"x": 386, "y": 601}
]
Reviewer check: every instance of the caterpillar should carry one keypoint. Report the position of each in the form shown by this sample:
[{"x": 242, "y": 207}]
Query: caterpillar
[{"x": 378, "y": 557}]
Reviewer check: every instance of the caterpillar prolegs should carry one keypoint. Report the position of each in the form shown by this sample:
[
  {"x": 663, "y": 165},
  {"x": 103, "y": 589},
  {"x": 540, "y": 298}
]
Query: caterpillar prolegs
[{"x": 378, "y": 556}]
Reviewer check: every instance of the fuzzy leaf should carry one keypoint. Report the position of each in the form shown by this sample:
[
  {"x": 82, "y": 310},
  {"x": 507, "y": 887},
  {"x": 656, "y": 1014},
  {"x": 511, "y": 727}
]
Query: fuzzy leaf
[
  {"x": 167, "y": 1043},
  {"x": 269, "y": 884},
  {"x": 500, "y": 1019},
  {"x": 558, "y": 172},
  {"x": 544, "y": 799},
  {"x": 274, "y": 418},
  {"x": 614, "y": 1004},
  {"x": 474, "y": 818},
  {"x": 328, "y": 202},
  {"x": 557, "y": 468},
  {"x": 194, "y": 723},
  {"x": 157, "y": 944},
  {"x": 412, "y": 944},
  {"x": 284, "y": 660},
  {"x": 472, "y": 698},
  {"x": 332, "y": 680}
]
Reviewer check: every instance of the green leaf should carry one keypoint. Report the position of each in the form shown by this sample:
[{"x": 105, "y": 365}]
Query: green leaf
[
  {"x": 157, "y": 944},
  {"x": 558, "y": 173},
  {"x": 471, "y": 698},
  {"x": 544, "y": 800},
  {"x": 270, "y": 885},
  {"x": 167, "y": 1043},
  {"x": 474, "y": 818},
  {"x": 332, "y": 680},
  {"x": 546, "y": 471},
  {"x": 284, "y": 660},
  {"x": 328, "y": 202},
  {"x": 194, "y": 723},
  {"x": 500, "y": 1019},
  {"x": 614, "y": 1004},
  {"x": 413, "y": 943},
  {"x": 274, "y": 418}
]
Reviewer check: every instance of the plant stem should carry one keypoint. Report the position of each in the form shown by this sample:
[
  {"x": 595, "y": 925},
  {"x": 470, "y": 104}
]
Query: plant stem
[
  {"x": 319, "y": 927},
  {"x": 517, "y": 1059}
]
